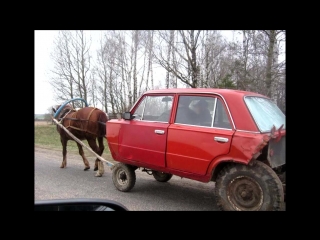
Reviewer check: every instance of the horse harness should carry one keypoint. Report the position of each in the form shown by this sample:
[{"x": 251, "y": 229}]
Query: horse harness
[{"x": 74, "y": 118}]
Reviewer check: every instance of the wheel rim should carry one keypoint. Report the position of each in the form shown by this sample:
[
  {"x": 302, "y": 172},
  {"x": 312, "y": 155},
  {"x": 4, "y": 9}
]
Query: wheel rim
[
  {"x": 245, "y": 194},
  {"x": 122, "y": 177}
]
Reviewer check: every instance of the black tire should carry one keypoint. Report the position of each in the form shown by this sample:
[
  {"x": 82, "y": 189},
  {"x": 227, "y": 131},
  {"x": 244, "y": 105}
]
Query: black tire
[
  {"x": 134, "y": 167},
  {"x": 161, "y": 176},
  {"x": 283, "y": 180},
  {"x": 123, "y": 177},
  {"x": 249, "y": 188}
]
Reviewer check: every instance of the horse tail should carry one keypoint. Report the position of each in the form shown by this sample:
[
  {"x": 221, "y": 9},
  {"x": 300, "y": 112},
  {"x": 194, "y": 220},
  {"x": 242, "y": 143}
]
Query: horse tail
[{"x": 103, "y": 118}]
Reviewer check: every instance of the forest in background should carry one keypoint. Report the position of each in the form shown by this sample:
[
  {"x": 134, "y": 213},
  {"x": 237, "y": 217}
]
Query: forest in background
[{"x": 127, "y": 64}]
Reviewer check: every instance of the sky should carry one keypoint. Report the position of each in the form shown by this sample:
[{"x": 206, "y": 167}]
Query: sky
[
  {"x": 44, "y": 46},
  {"x": 43, "y": 94}
]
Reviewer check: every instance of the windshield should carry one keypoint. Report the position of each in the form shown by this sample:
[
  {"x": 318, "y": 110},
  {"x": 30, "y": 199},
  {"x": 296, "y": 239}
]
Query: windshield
[{"x": 265, "y": 113}]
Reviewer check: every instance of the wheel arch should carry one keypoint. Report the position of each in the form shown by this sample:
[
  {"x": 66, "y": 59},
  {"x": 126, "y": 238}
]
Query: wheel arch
[{"x": 218, "y": 164}]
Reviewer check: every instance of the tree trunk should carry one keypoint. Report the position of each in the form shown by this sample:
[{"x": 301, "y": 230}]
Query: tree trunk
[{"x": 272, "y": 36}]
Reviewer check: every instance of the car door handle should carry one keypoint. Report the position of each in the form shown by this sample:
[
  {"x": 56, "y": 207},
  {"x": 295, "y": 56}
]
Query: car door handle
[
  {"x": 221, "y": 139},
  {"x": 159, "y": 131}
]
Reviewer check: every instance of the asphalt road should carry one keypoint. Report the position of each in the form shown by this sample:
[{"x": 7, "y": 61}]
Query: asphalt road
[{"x": 52, "y": 182}]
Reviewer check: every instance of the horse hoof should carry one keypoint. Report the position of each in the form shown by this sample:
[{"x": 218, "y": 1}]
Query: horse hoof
[
  {"x": 98, "y": 175},
  {"x": 86, "y": 168},
  {"x": 95, "y": 169}
]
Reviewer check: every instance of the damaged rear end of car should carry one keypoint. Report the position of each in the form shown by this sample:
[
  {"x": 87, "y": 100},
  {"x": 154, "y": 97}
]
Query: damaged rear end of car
[
  {"x": 270, "y": 121},
  {"x": 272, "y": 151},
  {"x": 255, "y": 179}
]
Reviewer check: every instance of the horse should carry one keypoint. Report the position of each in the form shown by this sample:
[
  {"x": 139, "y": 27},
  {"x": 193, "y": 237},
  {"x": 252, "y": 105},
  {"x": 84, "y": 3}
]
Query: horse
[{"x": 88, "y": 123}]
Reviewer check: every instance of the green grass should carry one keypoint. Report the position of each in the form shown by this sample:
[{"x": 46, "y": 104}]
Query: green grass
[{"x": 46, "y": 136}]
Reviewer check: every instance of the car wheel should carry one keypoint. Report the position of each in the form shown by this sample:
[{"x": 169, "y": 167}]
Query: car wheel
[
  {"x": 123, "y": 177},
  {"x": 249, "y": 188},
  {"x": 161, "y": 176}
]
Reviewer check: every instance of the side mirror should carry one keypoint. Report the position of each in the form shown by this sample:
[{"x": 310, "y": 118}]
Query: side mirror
[
  {"x": 127, "y": 116},
  {"x": 81, "y": 204}
]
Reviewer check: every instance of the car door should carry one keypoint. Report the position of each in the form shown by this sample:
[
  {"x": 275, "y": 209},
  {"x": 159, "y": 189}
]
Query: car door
[
  {"x": 191, "y": 146},
  {"x": 143, "y": 138}
]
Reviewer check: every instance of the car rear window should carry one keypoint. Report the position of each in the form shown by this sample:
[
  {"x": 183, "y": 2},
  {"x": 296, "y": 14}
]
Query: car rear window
[{"x": 265, "y": 113}]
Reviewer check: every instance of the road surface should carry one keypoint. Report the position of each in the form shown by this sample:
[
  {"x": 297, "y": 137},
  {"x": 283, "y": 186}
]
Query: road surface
[{"x": 52, "y": 182}]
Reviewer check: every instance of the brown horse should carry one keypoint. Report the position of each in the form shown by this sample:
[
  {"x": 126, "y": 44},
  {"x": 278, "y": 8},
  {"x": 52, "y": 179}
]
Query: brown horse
[{"x": 87, "y": 123}]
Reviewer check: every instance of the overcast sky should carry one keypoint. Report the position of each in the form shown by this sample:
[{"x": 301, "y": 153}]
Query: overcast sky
[{"x": 44, "y": 45}]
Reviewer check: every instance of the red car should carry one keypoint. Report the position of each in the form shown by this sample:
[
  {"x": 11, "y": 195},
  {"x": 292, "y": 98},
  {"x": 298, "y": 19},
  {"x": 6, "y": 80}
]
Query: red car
[{"x": 234, "y": 138}]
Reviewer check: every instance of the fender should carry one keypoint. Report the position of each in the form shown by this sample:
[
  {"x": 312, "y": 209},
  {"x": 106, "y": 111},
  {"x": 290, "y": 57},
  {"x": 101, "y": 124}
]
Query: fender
[{"x": 224, "y": 158}]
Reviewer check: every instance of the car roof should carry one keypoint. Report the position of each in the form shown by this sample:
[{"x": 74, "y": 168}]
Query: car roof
[{"x": 221, "y": 91}]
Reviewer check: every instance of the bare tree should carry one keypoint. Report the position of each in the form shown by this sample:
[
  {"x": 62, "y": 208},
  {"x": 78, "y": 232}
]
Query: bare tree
[
  {"x": 150, "y": 50},
  {"x": 185, "y": 67},
  {"x": 81, "y": 63},
  {"x": 135, "y": 46},
  {"x": 71, "y": 65},
  {"x": 170, "y": 46},
  {"x": 119, "y": 71},
  {"x": 272, "y": 58},
  {"x": 212, "y": 60},
  {"x": 93, "y": 93},
  {"x": 62, "y": 80},
  {"x": 195, "y": 58},
  {"x": 108, "y": 71},
  {"x": 146, "y": 41}
]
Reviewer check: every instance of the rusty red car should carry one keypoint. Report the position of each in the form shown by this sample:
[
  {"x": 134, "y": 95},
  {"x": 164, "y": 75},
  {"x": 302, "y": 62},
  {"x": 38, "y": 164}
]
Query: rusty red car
[{"x": 234, "y": 138}]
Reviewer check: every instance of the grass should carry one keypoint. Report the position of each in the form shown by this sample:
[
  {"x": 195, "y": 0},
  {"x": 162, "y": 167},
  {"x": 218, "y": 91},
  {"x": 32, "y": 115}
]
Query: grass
[{"x": 46, "y": 136}]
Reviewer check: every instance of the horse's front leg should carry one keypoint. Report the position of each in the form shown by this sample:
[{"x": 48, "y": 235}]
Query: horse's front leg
[
  {"x": 64, "y": 152},
  {"x": 85, "y": 160}
]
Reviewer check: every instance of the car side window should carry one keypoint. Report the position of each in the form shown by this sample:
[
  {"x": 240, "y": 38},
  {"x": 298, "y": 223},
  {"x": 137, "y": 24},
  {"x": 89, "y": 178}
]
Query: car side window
[
  {"x": 221, "y": 119},
  {"x": 154, "y": 108},
  {"x": 203, "y": 107},
  {"x": 137, "y": 114},
  {"x": 199, "y": 111},
  {"x": 185, "y": 114}
]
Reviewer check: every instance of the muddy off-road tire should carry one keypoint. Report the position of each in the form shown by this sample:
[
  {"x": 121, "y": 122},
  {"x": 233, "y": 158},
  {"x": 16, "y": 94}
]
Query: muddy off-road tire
[
  {"x": 249, "y": 188},
  {"x": 161, "y": 176},
  {"x": 282, "y": 177},
  {"x": 123, "y": 177}
]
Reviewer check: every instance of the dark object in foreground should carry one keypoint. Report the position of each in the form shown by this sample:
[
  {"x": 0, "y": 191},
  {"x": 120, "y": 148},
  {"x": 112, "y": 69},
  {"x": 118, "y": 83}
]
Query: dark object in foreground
[{"x": 81, "y": 204}]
